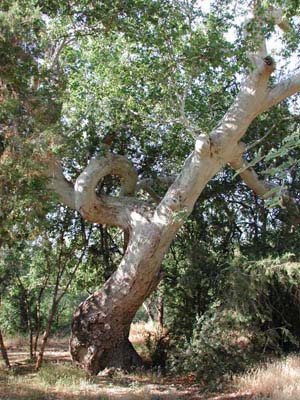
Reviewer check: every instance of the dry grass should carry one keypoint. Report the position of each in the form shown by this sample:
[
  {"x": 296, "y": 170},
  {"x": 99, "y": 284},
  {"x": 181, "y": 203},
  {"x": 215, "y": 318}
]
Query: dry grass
[
  {"x": 140, "y": 330},
  {"x": 16, "y": 341},
  {"x": 59, "y": 380},
  {"x": 21, "y": 342},
  {"x": 278, "y": 380}
]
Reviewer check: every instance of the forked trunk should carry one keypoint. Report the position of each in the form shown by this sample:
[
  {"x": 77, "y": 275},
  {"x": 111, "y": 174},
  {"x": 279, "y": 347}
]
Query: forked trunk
[{"x": 101, "y": 324}]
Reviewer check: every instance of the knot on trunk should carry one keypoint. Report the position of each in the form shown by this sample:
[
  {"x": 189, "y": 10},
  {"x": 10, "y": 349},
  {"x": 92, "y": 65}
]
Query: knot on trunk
[{"x": 269, "y": 61}]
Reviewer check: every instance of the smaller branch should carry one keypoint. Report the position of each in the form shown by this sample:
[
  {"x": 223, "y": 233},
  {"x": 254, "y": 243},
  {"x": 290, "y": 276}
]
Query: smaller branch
[
  {"x": 277, "y": 15},
  {"x": 73, "y": 272},
  {"x": 250, "y": 177},
  {"x": 282, "y": 90},
  {"x": 182, "y": 102},
  {"x": 259, "y": 40},
  {"x": 257, "y": 142},
  {"x": 264, "y": 189},
  {"x": 57, "y": 51},
  {"x": 260, "y": 16},
  {"x": 148, "y": 183},
  {"x": 180, "y": 99}
]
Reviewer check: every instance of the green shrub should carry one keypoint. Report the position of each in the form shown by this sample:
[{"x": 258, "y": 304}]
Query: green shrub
[
  {"x": 256, "y": 312},
  {"x": 220, "y": 344},
  {"x": 157, "y": 345}
]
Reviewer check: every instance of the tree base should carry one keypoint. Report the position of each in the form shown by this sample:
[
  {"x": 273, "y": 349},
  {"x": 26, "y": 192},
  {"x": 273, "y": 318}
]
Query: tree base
[{"x": 96, "y": 358}]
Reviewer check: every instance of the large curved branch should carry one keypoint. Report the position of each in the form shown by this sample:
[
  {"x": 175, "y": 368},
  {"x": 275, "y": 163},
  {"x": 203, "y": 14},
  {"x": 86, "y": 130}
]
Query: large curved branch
[
  {"x": 122, "y": 211},
  {"x": 59, "y": 184},
  {"x": 106, "y": 209}
]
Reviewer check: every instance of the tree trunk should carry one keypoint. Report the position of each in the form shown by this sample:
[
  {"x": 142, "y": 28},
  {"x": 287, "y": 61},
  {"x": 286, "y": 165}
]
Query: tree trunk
[
  {"x": 101, "y": 324},
  {"x": 30, "y": 328},
  {"x": 46, "y": 334},
  {"x": 3, "y": 351},
  {"x": 37, "y": 327},
  {"x": 160, "y": 309},
  {"x": 38, "y": 319}
]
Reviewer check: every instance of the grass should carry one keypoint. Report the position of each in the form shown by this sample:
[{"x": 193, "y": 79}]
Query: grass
[
  {"x": 278, "y": 380},
  {"x": 16, "y": 341},
  {"x": 59, "y": 380},
  {"x": 63, "y": 376}
]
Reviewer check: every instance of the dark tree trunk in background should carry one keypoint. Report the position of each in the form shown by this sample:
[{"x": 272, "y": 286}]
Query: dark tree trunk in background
[{"x": 3, "y": 351}]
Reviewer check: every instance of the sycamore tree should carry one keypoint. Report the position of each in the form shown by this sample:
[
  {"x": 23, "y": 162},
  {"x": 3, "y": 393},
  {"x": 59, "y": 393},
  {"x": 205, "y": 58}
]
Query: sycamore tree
[{"x": 102, "y": 102}]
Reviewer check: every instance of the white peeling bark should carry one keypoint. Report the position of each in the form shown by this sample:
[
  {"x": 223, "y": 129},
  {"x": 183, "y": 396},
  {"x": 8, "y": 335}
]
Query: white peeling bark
[
  {"x": 284, "y": 89},
  {"x": 106, "y": 209},
  {"x": 101, "y": 323},
  {"x": 59, "y": 184}
]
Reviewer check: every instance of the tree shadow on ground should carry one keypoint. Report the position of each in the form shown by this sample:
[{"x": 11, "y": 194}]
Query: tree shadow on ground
[
  {"x": 22, "y": 383},
  {"x": 36, "y": 394},
  {"x": 231, "y": 396},
  {"x": 30, "y": 393}
]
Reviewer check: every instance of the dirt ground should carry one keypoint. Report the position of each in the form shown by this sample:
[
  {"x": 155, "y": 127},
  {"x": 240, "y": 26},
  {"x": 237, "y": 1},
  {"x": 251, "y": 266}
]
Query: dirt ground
[
  {"x": 59, "y": 379},
  {"x": 23, "y": 383}
]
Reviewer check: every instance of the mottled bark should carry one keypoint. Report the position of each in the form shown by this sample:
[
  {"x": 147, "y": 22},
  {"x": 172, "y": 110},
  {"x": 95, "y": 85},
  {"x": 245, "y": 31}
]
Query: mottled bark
[
  {"x": 101, "y": 324},
  {"x": 100, "y": 327}
]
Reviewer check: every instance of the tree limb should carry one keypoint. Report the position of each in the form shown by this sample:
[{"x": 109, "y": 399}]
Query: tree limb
[
  {"x": 282, "y": 90},
  {"x": 250, "y": 177},
  {"x": 264, "y": 189},
  {"x": 59, "y": 184},
  {"x": 105, "y": 209},
  {"x": 148, "y": 183}
]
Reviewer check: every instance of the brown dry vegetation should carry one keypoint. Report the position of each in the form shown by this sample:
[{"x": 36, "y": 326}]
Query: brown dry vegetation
[{"x": 278, "y": 380}]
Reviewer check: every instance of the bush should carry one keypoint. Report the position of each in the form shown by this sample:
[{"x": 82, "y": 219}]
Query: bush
[
  {"x": 255, "y": 313},
  {"x": 157, "y": 344},
  {"x": 220, "y": 344}
]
